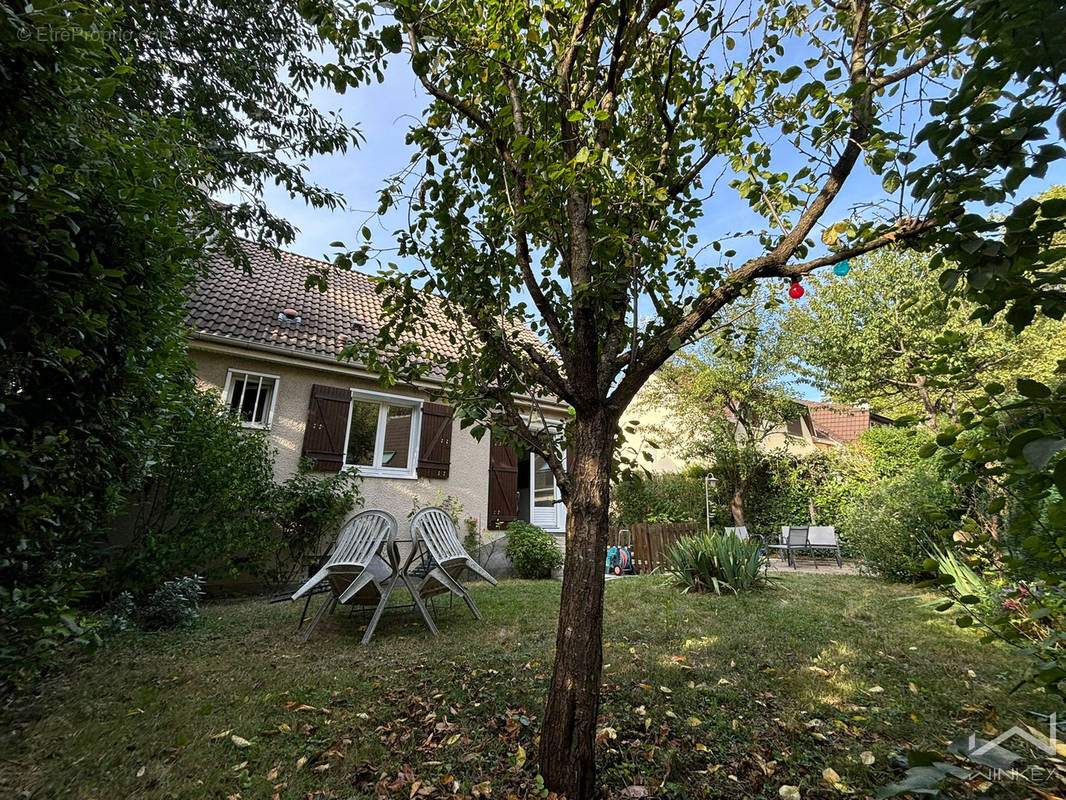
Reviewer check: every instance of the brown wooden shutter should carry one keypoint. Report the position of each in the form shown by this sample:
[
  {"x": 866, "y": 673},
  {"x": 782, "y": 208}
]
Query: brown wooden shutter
[
  {"x": 435, "y": 445},
  {"x": 327, "y": 418},
  {"x": 503, "y": 485}
]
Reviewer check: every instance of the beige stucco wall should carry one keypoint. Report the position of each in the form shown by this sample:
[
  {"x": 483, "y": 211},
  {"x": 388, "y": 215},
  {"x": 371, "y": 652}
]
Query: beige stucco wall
[
  {"x": 468, "y": 478},
  {"x": 642, "y": 439}
]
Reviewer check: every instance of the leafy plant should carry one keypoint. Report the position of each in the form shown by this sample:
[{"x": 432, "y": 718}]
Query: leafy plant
[
  {"x": 306, "y": 509},
  {"x": 531, "y": 550},
  {"x": 175, "y": 604},
  {"x": 207, "y": 505},
  {"x": 677, "y": 497},
  {"x": 890, "y": 528},
  {"x": 710, "y": 563},
  {"x": 450, "y": 504}
]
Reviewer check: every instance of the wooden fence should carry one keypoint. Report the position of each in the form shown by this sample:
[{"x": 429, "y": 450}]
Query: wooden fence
[{"x": 650, "y": 541}]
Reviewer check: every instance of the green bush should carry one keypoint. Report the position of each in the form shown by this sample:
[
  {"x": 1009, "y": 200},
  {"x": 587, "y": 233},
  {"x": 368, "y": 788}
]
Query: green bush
[
  {"x": 890, "y": 529},
  {"x": 206, "y": 507},
  {"x": 711, "y": 562},
  {"x": 211, "y": 506},
  {"x": 175, "y": 604},
  {"x": 660, "y": 498},
  {"x": 307, "y": 510},
  {"x": 531, "y": 550}
]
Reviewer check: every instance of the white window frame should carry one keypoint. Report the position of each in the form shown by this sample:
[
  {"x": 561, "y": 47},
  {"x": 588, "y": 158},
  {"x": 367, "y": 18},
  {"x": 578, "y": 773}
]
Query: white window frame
[
  {"x": 228, "y": 388},
  {"x": 384, "y": 401}
]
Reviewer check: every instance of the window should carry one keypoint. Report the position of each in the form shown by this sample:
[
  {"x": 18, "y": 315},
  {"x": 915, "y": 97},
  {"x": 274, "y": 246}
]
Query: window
[
  {"x": 383, "y": 432},
  {"x": 251, "y": 396},
  {"x": 795, "y": 427}
]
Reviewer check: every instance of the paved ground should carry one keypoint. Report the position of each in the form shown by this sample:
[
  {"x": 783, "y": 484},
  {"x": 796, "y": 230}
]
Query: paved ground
[{"x": 826, "y": 565}]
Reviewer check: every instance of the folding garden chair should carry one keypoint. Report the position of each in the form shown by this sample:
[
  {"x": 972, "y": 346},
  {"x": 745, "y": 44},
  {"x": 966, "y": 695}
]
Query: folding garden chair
[
  {"x": 794, "y": 540},
  {"x": 355, "y": 573},
  {"x": 441, "y": 559}
]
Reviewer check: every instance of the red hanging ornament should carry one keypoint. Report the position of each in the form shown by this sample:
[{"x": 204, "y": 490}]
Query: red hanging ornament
[{"x": 795, "y": 291}]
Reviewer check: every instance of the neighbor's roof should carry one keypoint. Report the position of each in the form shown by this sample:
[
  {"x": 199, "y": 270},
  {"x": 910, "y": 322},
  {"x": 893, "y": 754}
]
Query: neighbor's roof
[
  {"x": 843, "y": 423},
  {"x": 233, "y": 304}
]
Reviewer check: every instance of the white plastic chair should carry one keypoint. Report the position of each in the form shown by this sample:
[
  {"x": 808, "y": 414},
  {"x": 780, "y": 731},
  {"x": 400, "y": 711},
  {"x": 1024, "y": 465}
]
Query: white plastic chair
[
  {"x": 356, "y": 572},
  {"x": 443, "y": 559}
]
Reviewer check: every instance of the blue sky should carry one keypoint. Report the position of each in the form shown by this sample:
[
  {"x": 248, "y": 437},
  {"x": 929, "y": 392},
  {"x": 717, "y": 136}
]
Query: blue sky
[{"x": 383, "y": 113}]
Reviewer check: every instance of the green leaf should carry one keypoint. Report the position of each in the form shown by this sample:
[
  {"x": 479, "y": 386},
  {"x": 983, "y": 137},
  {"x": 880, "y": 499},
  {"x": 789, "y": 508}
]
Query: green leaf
[
  {"x": 1033, "y": 389},
  {"x": 391, "y": 38}
]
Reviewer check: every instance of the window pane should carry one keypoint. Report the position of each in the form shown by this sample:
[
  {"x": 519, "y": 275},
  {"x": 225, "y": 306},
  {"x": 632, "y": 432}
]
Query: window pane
[
  {"x": 266, "y": 394},
  {"x": 543, "y": 483},
  {"x": 362, "y": 434},
  {"x": 397, "y": 437},
  {"x": 237, "y": 396}
]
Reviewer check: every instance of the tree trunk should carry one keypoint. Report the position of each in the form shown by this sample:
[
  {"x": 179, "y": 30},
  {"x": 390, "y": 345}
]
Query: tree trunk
[
  {"x": 736, "y": 505},
  {"x": 568, "y": 736}
]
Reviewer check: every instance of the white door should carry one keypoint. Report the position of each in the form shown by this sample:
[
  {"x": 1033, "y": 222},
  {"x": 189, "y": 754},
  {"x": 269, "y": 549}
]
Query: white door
[{"x": 544, "y": 511}]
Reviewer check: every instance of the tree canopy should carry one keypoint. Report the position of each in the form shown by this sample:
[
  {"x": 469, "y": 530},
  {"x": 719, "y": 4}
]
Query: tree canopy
[
  {"x": 559, "y": 176},
  {"x": 888, "y": 335}
]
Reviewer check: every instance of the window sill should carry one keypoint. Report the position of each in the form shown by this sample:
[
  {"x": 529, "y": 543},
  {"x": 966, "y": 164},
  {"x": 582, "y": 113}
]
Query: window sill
[
  {"x": 372, "y": 472},
  {"x": 256, "y": 426}
]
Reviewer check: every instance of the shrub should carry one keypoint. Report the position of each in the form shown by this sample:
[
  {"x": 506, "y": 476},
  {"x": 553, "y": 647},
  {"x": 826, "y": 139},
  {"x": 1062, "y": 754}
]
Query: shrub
[
  {"x": 307, "y": 509},
  {"x": 532, "y": 550},
  {"x": 889, "y": 530},
  {"x": 710, "y": 563},
  {"x": 660, "y": 498},
  {"x": 175, "y": 604}
]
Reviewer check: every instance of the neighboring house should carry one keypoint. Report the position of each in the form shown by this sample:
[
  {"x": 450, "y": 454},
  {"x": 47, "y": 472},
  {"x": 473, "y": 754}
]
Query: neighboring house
[
  {"x": 816, "y": 426},
  {"x": 271, "y": 348},
  {"x": 844, "y": 424}
]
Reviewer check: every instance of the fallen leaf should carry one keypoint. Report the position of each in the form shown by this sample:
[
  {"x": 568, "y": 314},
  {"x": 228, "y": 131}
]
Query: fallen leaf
[
  {"x": 694, "y": 721},
  {"x": 221, "y": 735},
  {"x": 483, "y": 789},
  {"x": 239, "y": 741},
  {"x": 140, "y": 772},
  {"x": 520, "y": 757},
  {"x": 452, "y": 739},
  {"x": 830, "y": 776},
  {"x": 866, "y": 757},
  {"x": 787, "y": 792},
  {"x": 300, "y": 763},
  {"x": 633, "y": 792},
  {"x": 272, "y": 775}
]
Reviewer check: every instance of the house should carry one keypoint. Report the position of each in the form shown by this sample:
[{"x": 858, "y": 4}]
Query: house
[
  {"x": 816, "y": 426},
  {"x": 271, "y": 348},
  {"x": 844, "y": 424}
]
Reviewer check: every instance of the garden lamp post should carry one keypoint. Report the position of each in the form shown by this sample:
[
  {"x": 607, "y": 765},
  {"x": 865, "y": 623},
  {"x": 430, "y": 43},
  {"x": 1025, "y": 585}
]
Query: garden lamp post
[{"x": 709, "y": 482}]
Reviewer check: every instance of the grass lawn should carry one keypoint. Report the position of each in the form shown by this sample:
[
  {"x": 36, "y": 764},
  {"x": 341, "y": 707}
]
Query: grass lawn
[{"x": 703, "y": 697}]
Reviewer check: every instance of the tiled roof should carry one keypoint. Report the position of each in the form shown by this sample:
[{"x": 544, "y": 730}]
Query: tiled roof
[
  {"x": 843, "y": 423},
  {"x": 231, "y": 303}
]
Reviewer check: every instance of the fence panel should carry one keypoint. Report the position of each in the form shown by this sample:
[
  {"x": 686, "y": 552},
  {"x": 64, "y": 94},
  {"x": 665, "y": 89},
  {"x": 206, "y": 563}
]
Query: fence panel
[{"x": 650, "y": 541}]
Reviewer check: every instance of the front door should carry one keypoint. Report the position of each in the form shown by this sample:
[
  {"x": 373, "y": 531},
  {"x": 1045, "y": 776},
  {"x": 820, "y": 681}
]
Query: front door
[{"x": 544, "y": 511}]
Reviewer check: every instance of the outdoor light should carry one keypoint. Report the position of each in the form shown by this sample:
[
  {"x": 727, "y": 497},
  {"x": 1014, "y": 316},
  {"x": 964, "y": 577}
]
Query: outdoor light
[{"x": 709, "y": 482}]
